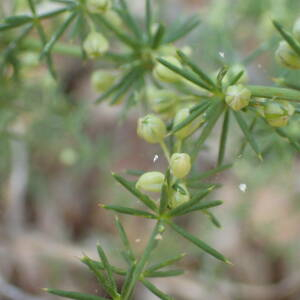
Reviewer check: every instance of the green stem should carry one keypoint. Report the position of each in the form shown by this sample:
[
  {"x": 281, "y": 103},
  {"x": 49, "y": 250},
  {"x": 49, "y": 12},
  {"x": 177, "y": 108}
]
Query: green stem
[
  {"x": 165, "y": 150},
  {"x": 59, "y": 48},
  {"x": 274, "y": 92},
  {"x": 141, "y": 263},
  {"x": 178, "y": 145}
]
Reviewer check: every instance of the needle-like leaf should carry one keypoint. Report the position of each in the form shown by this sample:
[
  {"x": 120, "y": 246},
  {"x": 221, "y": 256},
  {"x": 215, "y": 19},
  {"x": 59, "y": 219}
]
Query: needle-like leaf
[
  {"x": 196, "y": 69},
  {"x": 185, "y": 73},
  {"x": 248, "y": 135},
  {"x": 58, "y": 34},
  {"x": 209, "y": 173},
  {"x": 153, "y": 289},
  {"x": 193, "y": 115},
  {"x": 73, "y": 295},
  {"x": 288, "y": 37},
  {"x": 107, "y": 268},
  {"x": 223, "y": 138},
  {"x": 165, "y": 263},
  {"x": 142, "y": 197},
  {"x": 125, "y": 239},
  {"x": 212, "y": 116},
  {"x": 129, "y": 211},
  {"x": 181, "y": 29},
  {"x": 202, "y": 245}
]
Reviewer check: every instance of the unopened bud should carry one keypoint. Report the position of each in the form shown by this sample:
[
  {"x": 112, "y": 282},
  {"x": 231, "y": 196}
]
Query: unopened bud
[
  {"x": 278, "y": 114},
  {"x": 150, "y": 182},
  {"x": 152, "y": 129},
  {"x": 95, "y": 45},
  {"x": 113, "y": 18},
  {"x": 286, "y": 56},
  {"x": 163, "y": 73},
  {"x": 180, "y": 164},
  {"x": 237, "y": 97},
  {"x": 161, "y": 101},
  {"x": 189, "y": 129},
  {"x": 98, "y": 6},
  {"x": 102, "y": 80}
]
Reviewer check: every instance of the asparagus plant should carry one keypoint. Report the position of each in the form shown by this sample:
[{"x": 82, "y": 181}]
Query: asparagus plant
[{"x": 183, "y": 102}]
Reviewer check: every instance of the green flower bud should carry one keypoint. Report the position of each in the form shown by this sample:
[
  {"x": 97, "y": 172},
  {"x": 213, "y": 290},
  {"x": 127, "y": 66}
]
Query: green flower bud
[
  {"x": 98, "y": 6},
  {"x": 181, "y": 115},
  {"x": 102, "y": 80},
  {"x": 237, "y": 96},
  {"x": 180, "y": 164},
  {"x": 296, "y": 30},
  {"x": 114, "y": 18},
  {"x": 161, "y": 101},
  {"x": 152, "y": 129},
  {"x": 286, "y": 56},
  {"x": 150, "y": 182},
  {"x": 163, "y": 73},
  {"x": 288, "y": 107},
  {"x": 186, "y": 131},
  {"x": 95, "y": 45},
  {"x": 278, "y": 114},
  {"x": 179, "y": 195},
  {"x": 68, "y": 156}
]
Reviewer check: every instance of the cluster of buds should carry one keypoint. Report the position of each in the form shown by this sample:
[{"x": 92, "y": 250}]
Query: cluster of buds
[
  {"x": 285, "y": 55},
  {"x": 152, "y": 129}
]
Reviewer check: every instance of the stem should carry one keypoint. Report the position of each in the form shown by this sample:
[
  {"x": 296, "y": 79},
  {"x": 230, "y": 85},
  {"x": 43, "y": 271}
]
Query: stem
[
  {"x": 274, "y": 92},
  {"x": 178, "y": 146},
  {"x": 60, "y": 48},
  {"x": 141, "y": 263},
  {"x": 165, "y": 150}
]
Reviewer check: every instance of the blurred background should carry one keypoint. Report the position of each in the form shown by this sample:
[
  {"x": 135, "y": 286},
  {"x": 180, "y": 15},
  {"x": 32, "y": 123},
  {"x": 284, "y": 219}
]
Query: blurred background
[{"x": 57, "y": 149}]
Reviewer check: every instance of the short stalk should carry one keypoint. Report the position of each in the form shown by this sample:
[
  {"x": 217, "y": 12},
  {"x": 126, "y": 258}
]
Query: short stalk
[
  {"x": 178, "y": 146},
  {"x": 165, "y": 150}
]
